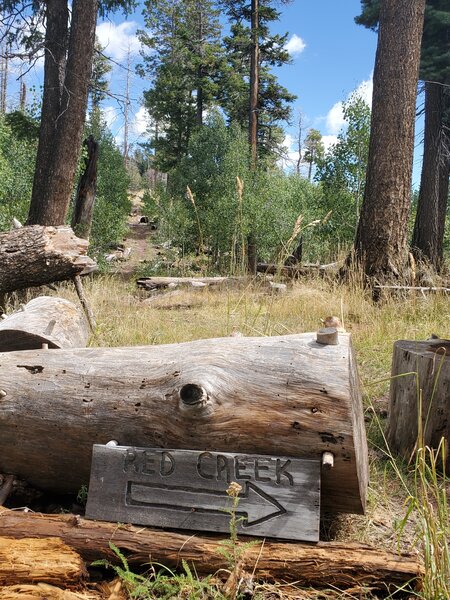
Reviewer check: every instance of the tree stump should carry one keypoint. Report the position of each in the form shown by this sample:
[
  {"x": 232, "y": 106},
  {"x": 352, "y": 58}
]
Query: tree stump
[{"x": 426, "y": 366}]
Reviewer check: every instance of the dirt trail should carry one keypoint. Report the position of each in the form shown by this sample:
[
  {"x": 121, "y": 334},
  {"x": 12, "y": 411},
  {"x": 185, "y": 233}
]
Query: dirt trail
[{"x": 138, "y": 239}]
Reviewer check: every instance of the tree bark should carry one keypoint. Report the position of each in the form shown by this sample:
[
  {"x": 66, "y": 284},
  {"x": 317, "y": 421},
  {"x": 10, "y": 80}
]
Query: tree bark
[
  {"x": 84, "y": 201},
  {"x": 35, "y": 256},
  {"x": 430, "y": 360},
  {"x": 63, "y": 110},
  {"x": 45, "y": 320},
  {"x": 427, "y": 243},
  {"x": 325, "y": 564},
  {"x": 285, "y": 396},
  {"x": 47, "y": 560},
  {"x": 254, "y": 84},
  {"x": 381, "y": 239}
]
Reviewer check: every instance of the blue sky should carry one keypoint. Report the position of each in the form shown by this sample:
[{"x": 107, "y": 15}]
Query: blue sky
[{"x": 332, "y": 57}]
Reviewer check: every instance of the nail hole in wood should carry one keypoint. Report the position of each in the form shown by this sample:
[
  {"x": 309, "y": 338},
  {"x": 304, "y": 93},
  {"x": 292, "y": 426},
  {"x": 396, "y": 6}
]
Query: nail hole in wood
[{"x": 191, "y": 394}]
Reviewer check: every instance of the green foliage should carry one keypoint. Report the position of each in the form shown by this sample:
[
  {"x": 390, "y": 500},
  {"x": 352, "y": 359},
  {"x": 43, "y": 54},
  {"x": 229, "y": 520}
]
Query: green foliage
[
  {"x": 112, "y": 204},
  {"x": 314, "y": 149},
  {"x": 342, "y": 173},
  {"x": 17, "y": 157},
  {"x": 229, "y": 201},
  {"x": 161, "y": 582}
]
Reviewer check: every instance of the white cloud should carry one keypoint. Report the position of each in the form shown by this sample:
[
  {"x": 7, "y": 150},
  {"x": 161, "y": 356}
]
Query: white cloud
[
  {"x": 328, "y": 141},
  {"x": 140, "y": 122},
  {"x": 295, "y": 45},
  {"x": 117, "y": 39},
  {"x": 335, "y": 117}
]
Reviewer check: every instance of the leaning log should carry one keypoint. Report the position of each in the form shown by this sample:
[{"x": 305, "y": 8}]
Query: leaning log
[
  {"x": 421, "y": 380},
  {"x": 30, "y": 560},
  {"x": 44, "y": 320},
  {"x": 324, "y": 564},
  {"x": 285, "y": 396},
  {"x": 36, "y": 255}
]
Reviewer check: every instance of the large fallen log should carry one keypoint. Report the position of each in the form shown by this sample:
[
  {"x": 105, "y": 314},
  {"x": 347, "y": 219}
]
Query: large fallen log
[
  {"x": 31, "y": 560},
  {"x": 44, "y": 591},
  {"x": 323, "y": 565},
  {"x": 285, "y": 396},
  {"x": 421, "y": 377},
  {"x": 36, "y": 255},
  {"x": 44, "y": 320},
  {"x": 294, "y": 271},
  {"x": 157, "y": 283}
]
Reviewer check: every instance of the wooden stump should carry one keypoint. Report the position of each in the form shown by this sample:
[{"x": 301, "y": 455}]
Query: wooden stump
[
  {"x": 44, "y": 320},
  {"x": 427, "y": 367},
  {"x": 282, "y": 396}
]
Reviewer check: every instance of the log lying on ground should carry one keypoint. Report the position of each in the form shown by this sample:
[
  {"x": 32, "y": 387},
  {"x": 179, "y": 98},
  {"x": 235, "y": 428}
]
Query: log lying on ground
[
  {"x": 285, "y": 396},
  {"x": 44, "y": 591},
  {"x": 323, "y": 565},
  {"x": 294, "y": 270},
  {"x": 157, "y": 283},
  {"x": 431, "y": 361},
  {"x": 44, "y": 320},
  {"x": 36, "y": 255},
  {"x": 47, "y": 560}
]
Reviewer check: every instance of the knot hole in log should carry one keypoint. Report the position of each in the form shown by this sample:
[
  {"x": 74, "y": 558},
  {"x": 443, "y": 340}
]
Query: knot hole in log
[{"x": 193, "y": 397}]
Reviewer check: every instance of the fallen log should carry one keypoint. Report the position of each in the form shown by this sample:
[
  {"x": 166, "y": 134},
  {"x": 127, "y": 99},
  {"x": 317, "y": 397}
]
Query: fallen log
[
  {"x": 284, "y": 396},
  {"x": 26, "y": 559},
  {"x": 44, "y": 320},
  {"x": 425, "y": 366},
  {"x": 413, "y": 288},
  {"x": 44, "y": 591},
  {"x": 157, "y": 283},
  {"x": 324, "y": 564},
  {"x": 293, "y": 271},
  {"x": 36, "y": 255}
]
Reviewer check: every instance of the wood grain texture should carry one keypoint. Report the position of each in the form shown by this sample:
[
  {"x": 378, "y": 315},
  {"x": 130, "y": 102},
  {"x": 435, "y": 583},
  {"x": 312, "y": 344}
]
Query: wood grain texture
[
  {"x": 45, "y": 591},
  {"x": 187, "y": 489},
  {"x": 284, "y": 396},
  {"x": 323, "y": 565},
  {"x": 44, "y": 320},
  {"x": 36, "y": 255},
  {"x": 431, "y": 361},
  {"x": 31, "y": 560}
]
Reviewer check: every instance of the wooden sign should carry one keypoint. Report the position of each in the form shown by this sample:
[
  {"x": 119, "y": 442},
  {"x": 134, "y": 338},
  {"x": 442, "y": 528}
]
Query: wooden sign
[{"x": 187, "y": 489}]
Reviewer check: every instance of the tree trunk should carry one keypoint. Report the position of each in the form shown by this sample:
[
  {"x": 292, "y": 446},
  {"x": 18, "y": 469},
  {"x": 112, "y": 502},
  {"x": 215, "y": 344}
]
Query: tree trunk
[
  {"x": 326, "y": 564},
  {"x": 285, "y": 396},
  {"x": 63, "y": 118},
  {"x": 254, "y": 84},
  {"x": 35, "y": 256},
  {"x": 381, "y": 239},
  {"x": 84, "y": 201},
  {"x": 426, "y": 242},
  {"x": 45, "y": 320},
  {"x": 47, "y": 560},
  {"x": 430, "y": 360}
]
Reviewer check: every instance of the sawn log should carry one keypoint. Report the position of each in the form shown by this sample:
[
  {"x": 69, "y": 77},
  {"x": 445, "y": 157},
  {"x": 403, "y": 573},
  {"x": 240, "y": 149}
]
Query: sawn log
[
  {"x": 284, "y": 396},
  {"x": 321, "y": 565},
  {"x": 36, "y": 255},
  {"x": 44, "y": 320}
]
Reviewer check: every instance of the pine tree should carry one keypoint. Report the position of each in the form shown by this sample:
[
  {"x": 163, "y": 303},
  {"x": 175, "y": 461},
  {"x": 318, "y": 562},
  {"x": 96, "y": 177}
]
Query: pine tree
[{"x": 182, "y": 56}]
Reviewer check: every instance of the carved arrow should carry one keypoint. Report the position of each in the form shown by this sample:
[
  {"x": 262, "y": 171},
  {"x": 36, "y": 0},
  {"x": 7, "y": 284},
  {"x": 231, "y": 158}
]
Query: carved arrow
[{"x": 255, "y": 505}]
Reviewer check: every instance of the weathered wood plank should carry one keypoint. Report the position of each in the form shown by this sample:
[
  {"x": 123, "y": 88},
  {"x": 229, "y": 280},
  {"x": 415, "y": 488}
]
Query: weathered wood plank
[
  {"x": 324, "y": 564},
  {"x": 187, "y": 489},
  {"x": 286, "y": 396}
]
